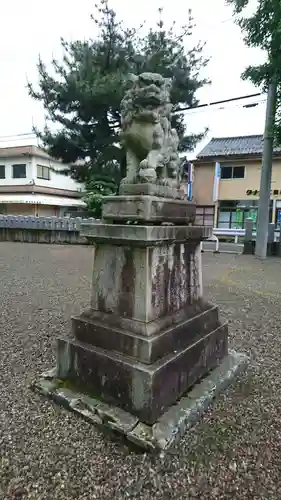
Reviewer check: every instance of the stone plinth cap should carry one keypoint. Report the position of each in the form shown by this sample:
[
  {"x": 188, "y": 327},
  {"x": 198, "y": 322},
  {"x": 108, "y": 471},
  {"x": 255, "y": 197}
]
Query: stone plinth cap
[
  {"x": 143, "y": 235},
  {"x": 151, "y": 189},
  {"x": 147, "y": 209}
]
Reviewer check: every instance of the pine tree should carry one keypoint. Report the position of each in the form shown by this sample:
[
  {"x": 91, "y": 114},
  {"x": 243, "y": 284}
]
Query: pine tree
[{"x": 83, "y": 98}]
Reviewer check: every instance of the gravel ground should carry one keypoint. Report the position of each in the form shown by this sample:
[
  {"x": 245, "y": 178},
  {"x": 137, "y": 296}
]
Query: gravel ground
[{"x": 48, "y": 453}]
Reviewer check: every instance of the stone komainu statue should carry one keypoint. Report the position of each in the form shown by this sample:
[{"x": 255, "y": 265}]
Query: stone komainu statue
[{"x": 151, "y": 143}]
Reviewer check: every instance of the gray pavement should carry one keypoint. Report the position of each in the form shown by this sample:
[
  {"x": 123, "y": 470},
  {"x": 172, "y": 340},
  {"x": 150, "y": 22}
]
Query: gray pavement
[
  {"x": 47, "y": 453},
  {"x": 236, "y": 248}
]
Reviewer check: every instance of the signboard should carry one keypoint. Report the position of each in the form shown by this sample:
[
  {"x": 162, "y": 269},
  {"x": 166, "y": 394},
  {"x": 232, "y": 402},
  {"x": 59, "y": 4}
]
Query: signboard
[
  {"x": 20, "y": 201},
  {"x": 238, "y": 218},
  {"x": 216, "y": 182},
  {"x": 188, "y": 171},
  {"x": 190, "y": 182},
  {"x": 252, "y": 214},
  {"x": 255, "y": 192}
]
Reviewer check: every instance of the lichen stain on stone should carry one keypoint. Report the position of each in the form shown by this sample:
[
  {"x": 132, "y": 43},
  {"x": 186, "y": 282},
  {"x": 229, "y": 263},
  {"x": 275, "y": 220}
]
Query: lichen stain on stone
[
  {"x": 175, "y": 281},
  {"x": 159, "y": 280},
  {"x": 107, "y": 278},
  {"x": 170, "y": 269},
  {"x": 101, "y": 303},
  {"x": 127, "y": 291},
  {"x": 139, "y": 391},
  {"x": 184, "y": 291},
  {"x": 76, "y": 363},
  {"x": 187, "y": 266},
  {"x": 64, "y": 360}
]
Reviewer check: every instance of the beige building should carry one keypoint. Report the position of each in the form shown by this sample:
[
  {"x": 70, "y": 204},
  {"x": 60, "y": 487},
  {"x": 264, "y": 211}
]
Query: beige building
[
  {"x": 31, "y": 184},
  {"x": 233, "y": 195}
]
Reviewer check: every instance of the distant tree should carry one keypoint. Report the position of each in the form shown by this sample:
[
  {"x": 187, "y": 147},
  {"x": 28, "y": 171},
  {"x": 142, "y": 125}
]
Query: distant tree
[
  {"x": 96, "y": 187},
  {"x": 82, "y": 96},
  {"x": 262, "y": 29}
]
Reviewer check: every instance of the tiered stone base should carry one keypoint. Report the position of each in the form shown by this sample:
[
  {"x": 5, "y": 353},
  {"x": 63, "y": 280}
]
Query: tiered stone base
[
  {"x": 169, "y": 428},
  {"x": 148, "y": 336},
  {"x": 142, "y": 375}
]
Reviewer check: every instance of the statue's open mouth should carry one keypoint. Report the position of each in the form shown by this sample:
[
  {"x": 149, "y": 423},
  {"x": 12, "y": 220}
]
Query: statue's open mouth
[{"x": 149, "y": 99}]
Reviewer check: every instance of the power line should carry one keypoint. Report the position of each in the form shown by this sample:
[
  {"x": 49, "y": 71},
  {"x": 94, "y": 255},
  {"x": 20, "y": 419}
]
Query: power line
[
  {"x": 224, "y": 101},
  {"x": 198, "y": 106},
  {"x": 224, "y": 108},
  {"x": 193, "y": 112}
]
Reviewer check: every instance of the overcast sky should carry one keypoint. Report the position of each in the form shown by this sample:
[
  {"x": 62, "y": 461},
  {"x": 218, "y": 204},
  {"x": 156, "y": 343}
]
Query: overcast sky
[{"x": 30, "y": 27}]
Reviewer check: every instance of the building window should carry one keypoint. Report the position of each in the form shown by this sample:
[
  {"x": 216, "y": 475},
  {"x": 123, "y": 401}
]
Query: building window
[
  {"x": 204, "y": 216},
  {"x": 238, "y": 172},
  {"x": 232, "y": 213},
  {"x": 232, "y": 172},
  {"x": 43, "y": 172},
  {"x": 19, "y": 171},
  {"x": 2, "y": 172},
  {"x": 226, "y": 172}
]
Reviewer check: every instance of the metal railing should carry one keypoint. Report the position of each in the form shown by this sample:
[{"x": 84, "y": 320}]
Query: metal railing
[
  {"x": 212, "y": 238},
  {"x": 239, "y": 233},
  {"x": 229, "y": 232},
  {"x": 234, "y": 233}
]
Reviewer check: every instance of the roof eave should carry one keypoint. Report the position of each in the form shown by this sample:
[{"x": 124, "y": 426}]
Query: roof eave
[{"x": 221, "y": 157}]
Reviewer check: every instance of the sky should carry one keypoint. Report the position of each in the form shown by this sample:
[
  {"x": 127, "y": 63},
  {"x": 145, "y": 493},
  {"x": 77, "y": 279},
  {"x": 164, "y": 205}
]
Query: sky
[{"x": 28, "y": 29}]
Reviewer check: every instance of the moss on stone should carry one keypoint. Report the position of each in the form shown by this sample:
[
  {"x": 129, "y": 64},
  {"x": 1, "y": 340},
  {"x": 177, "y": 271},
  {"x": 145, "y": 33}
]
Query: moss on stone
[{"x": 79, "y": 388}]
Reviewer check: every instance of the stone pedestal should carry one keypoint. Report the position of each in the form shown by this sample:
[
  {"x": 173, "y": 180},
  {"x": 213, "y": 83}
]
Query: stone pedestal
[{"x": 148, "y": 335}]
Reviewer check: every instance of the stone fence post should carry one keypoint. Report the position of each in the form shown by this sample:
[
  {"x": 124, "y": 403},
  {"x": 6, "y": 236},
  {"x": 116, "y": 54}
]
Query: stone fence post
[
  {"x": 270, "y": 239},
  {"x": 249, "y": 242},
  {"x": 248, "y": 239}
]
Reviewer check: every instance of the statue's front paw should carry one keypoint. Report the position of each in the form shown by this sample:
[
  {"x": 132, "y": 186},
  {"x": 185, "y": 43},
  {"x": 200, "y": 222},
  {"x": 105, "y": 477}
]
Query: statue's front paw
[
  {"x": 126, "y": 180},
  {"x": 144, "y": 164},
  {"x": 164, "y": 181},
  {"x": 148, "y": 175}
]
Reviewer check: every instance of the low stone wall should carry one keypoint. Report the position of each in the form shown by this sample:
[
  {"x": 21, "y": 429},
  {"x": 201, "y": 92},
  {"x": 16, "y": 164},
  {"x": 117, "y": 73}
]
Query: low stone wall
[
  {"x": 42, "y": 236},
  {"x": 57, "y": 230}
]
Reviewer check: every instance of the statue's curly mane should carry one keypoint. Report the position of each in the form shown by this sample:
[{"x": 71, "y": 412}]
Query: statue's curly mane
[{"x": 145, "y": 100}]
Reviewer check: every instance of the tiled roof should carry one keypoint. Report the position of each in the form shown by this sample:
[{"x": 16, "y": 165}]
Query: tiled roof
[{"x": 228, "y": 146}]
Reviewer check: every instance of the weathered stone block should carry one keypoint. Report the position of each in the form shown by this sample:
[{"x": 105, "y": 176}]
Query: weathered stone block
[
  {"x": 146, "y": 273},
  {"x": 170, "y": 426},
  {"x": 198, "y": 321},
  {"x": 148, "y": 335},
  {"x": 144, "y": 390},
  {"x": 188, "y": 410},
  {"x": 151, "y": 189},
  {"x": 148, "y": 209}
]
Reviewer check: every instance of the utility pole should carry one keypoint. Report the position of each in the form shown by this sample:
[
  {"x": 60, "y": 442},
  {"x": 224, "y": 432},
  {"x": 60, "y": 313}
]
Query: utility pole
[{"x": 266, "y": 173}]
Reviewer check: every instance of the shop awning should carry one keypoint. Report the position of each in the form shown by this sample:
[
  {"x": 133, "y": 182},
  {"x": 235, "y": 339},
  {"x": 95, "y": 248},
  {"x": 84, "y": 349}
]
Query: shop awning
[{"x": 35, "y": 199}]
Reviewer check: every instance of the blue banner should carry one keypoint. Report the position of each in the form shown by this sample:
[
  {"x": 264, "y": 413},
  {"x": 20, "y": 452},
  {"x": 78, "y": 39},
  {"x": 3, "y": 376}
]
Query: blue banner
[
  {"x": 216, "y": 182},
  {"x": 188, "y": 169}
]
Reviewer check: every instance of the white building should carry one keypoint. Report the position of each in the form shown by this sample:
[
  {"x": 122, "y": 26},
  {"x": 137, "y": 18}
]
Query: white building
[{"x": 30, "y": 184}]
